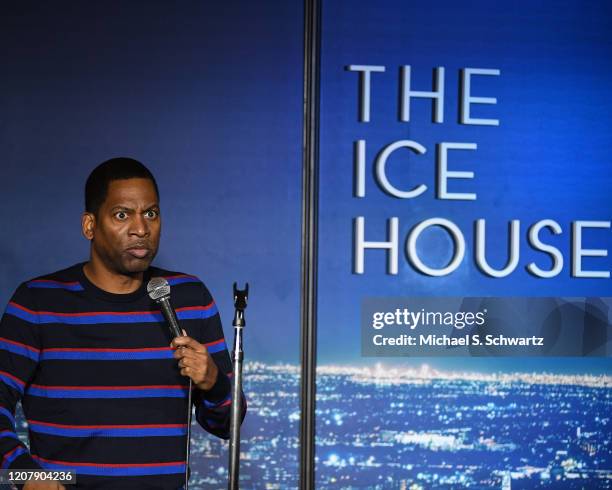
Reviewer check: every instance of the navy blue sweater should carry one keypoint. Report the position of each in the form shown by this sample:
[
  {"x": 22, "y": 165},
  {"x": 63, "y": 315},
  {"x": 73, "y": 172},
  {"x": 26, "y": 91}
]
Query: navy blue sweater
[{"x": 99, "y": 386}]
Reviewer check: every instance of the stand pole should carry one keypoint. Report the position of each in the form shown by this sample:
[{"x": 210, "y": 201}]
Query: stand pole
[{"x": 240, "y": 303}]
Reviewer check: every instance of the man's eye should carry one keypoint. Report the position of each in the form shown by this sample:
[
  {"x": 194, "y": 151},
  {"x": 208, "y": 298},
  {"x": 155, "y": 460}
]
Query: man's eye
[
  {"x": 121, "y": 215},
  {"x": 151, "y": 214}
]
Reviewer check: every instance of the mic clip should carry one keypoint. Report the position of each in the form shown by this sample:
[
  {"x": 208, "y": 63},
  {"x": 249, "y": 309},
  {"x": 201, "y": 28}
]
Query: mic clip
[{"x": 241, "y": 297}]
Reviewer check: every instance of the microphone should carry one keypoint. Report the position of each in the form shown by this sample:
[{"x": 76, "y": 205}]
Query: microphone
[{"x": 159, "y": 291}]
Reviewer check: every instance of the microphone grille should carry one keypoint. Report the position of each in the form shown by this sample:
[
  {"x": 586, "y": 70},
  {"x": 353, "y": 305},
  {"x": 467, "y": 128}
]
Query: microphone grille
[{"x": 158, "y": 288}]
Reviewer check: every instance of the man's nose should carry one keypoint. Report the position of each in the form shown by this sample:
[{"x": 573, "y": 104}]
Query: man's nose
[{"x": 139, "y": 226}]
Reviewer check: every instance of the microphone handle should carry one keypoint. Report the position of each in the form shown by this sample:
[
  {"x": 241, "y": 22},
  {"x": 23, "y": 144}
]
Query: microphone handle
[{"x": 168, "y": 312}]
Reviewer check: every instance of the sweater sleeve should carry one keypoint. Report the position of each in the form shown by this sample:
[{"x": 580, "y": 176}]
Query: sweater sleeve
[
  {"x": 213, "y": 407},
  {"x": 19, "y": 354}
]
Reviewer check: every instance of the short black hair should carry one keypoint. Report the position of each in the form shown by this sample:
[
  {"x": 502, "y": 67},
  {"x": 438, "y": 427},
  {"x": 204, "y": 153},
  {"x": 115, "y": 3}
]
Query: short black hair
[{"x": 96, "y": 187}]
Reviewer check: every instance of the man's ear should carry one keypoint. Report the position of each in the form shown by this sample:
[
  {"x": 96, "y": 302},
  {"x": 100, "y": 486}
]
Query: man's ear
[{"x": 88, "y": 224}]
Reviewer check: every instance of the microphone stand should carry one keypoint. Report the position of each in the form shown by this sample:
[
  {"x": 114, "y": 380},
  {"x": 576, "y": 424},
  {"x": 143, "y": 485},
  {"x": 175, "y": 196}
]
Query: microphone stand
[{"x": 240, "y": 303}]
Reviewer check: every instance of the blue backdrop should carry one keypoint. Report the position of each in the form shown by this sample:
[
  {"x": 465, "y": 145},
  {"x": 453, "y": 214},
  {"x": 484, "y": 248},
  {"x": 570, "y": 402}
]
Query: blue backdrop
[
  {"x": 392, "y": 422},
  {"x": 209, "y": 97}
]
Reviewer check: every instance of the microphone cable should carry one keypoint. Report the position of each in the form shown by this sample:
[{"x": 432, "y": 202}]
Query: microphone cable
[{"x": 188, "y": 445}]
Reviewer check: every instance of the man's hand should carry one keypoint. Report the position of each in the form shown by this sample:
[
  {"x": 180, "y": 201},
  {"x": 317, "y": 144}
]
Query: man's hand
[
  {"x": 195, "y": 361},
  {"x": 43, "y": 485}
]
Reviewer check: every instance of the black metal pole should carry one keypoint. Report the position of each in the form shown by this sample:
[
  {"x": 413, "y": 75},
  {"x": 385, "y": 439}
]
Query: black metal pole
[
  {"x": 240, "y": 303},
  {"x": 310, "y": 193}
]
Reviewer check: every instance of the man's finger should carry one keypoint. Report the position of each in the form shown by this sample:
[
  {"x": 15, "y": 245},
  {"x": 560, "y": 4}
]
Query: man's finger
[
  {"x": 190, "y": 353},
  {"x": 187, "y": 342},
  {"x": 196, "y": 362}
]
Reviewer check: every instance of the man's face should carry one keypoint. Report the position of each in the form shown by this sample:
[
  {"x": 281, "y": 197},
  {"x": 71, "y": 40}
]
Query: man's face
[{"x": 125, "y": 232}]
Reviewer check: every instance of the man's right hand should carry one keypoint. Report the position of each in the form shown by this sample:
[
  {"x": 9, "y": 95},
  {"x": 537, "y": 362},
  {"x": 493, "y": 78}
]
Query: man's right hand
[{"x": 43, "y": 485}]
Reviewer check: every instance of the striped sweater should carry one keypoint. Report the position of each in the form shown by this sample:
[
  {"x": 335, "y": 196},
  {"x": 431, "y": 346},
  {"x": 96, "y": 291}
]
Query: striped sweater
[{"x": 100, "y": 389}]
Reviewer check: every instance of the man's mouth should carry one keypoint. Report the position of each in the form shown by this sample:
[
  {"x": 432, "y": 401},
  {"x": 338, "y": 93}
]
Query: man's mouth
[{"x": 138, "y": 252}]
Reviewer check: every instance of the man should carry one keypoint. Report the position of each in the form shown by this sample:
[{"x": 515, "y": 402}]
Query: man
[{"x": 103, "y": 384}]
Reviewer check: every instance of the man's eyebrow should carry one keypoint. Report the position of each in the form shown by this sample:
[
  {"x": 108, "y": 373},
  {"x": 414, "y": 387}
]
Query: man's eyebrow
[{"x": 121, "y": 206}]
